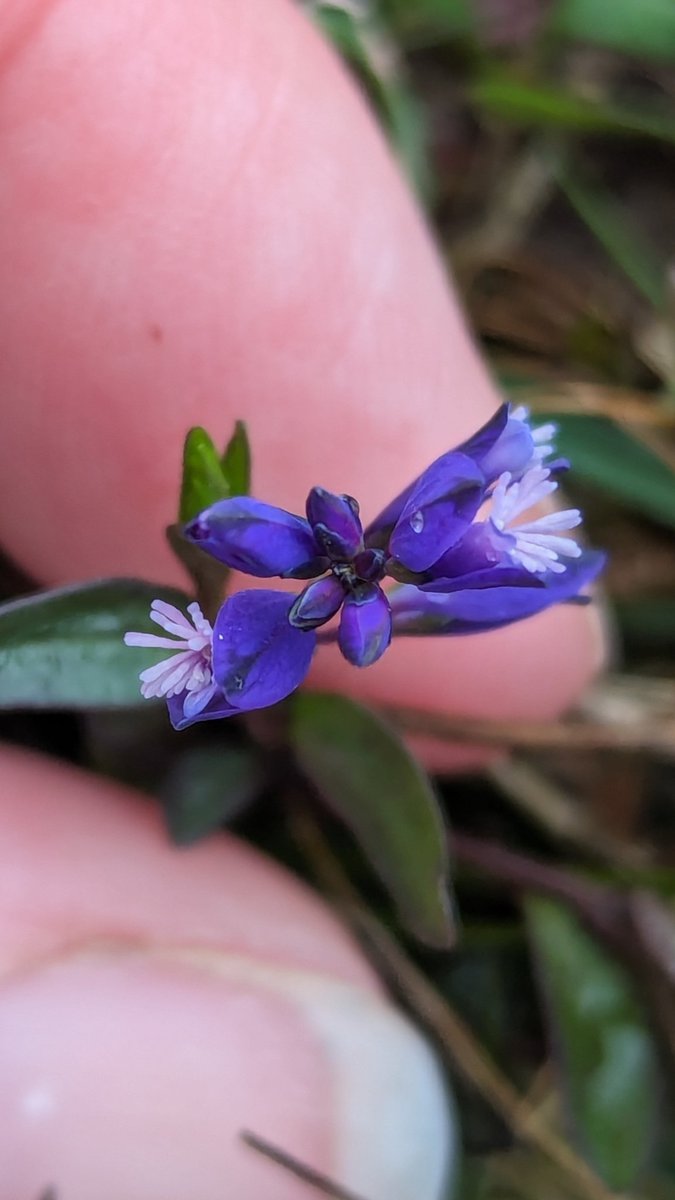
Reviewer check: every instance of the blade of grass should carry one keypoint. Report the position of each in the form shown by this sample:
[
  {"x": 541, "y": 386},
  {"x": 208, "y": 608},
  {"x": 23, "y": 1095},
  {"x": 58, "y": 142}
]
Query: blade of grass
[
  {"x": 613, "y": 228},
  {"x": 533, "y": 105}
]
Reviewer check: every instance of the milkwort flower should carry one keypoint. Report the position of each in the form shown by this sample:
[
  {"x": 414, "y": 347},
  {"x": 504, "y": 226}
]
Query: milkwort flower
[{"x": 454, "y": 541}]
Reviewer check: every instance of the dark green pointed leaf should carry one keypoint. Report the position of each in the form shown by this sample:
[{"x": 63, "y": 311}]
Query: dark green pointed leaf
[
  {"x": 209, "y": 787},
  {"x": 204, "y": 481},
  {"x": 64, "y": 648},
  {"x": 636, "y": 27},
  {"x": 624, "y": 242},
  {"x": 607, "y": 456},
  {"x": 371, "y": 781},
  {"x": 236, "y": 462},
  {"x": 605, "y": 1051}
]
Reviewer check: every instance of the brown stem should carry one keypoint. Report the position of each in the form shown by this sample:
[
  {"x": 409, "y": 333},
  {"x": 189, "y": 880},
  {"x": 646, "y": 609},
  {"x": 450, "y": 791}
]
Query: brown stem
[{"x": 602, "y": 908}]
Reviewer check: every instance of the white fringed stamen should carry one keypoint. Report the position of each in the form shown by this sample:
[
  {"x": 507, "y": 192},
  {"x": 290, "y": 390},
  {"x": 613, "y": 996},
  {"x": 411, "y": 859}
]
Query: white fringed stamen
[
  {"x": 189, "y": 667},
  {"x": 537, "y": 544}
]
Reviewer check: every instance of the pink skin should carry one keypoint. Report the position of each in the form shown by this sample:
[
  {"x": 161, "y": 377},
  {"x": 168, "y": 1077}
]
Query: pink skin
[
  {"x": 155, "y": 1003},
  {"x": 199, "y": 222}
]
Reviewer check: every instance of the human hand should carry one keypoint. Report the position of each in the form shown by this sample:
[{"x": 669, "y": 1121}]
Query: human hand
[{"x": 201, "y": 223}]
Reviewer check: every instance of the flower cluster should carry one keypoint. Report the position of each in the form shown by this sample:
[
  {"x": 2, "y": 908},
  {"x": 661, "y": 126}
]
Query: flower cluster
[{"x": 462, "y": 558}]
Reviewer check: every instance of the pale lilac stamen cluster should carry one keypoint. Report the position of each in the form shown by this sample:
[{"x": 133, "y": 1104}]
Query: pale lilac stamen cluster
[
  {"x": 542, "y": 435},
  {"x": 538, "y": 545},
  {"x": 189, "y": 667}
]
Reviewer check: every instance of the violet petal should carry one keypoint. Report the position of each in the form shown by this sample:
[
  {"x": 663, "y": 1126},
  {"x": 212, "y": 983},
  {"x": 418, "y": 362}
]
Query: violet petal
[
  {"x": 477, "y": 609},
  {"x": 317, "y": 604},
  {"x": 184, "y": 710},
  {"x": 482, "y": 547},
  {"x": 438, "y": 511},
  {"x": 510, "y": 451},
  {"x": 476, "y": 447},
  {"x": 479, "y": 445},
  {"x": 365, "y": 625},
  {"x": 336, "y": 524},
  {"x": 258, "y": 657},
  {"x": 500, "y": 575},
  {"x": 253, "y": 537}
]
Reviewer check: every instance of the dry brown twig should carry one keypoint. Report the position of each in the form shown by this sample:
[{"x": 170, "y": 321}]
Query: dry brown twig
[{"x": 653, "y": 737}]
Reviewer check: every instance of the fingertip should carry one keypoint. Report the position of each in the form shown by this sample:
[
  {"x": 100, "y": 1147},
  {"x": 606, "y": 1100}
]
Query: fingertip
[{"x": 155, "y": 1003}]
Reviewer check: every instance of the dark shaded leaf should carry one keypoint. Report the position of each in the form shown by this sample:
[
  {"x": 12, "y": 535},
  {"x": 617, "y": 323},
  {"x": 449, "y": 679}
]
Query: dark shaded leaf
[
  {"x": 236, "y": 462},
  {"x": 209, "y": 787},
  {"x": 204, "y": 480},
  {"x": 605, "y": 1050},
  {"x": 371, "y": 781},
  {"x": 607, "y": 456},
  {"x": 64, "y": 648}
]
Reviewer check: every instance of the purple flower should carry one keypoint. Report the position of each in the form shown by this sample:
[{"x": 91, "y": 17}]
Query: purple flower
[
  {"x": 251, "y": 658},
  {"x": 458, "y": 538},
  {"x": 264, "y": 541}
]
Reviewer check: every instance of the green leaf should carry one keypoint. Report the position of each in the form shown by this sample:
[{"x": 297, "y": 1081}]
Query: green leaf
[
  {"x": 614, "y": 229},
  {"x": 645, "y": 28},
  {"x": 429, "y": 22},
  {"x": 606, "y": 455},
  {"x": 209, "y": 787},
  {"x": 204, "y": 481},
  {"x": 605, "y": 1049},
  {"x": 370, "y": 780},
  {"x": 207, "y": 478},
  {"x": 535, "y": 105},
  {"x": 236, "y": 462},
  {"x": 64, "y": 648}
]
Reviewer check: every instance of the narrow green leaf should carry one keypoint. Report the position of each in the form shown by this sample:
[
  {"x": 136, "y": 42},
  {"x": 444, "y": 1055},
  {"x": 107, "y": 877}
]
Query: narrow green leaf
[
  {"x": 341, "y": 28},
  {"x": 209, "y": 787},
  {"x": 64, "y": 648},
  {"x": 606, "y": 1053},
  {"x": 614, "y": 229},
  {"x": 371, "y": 781},
  {"x": 236, "y": 462},
  {"x": 645, "y": 28},
  {"x": 204, "y": 481},
  {"x": 535, "y": 105},
  {"x": 608, "y": 457}
]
